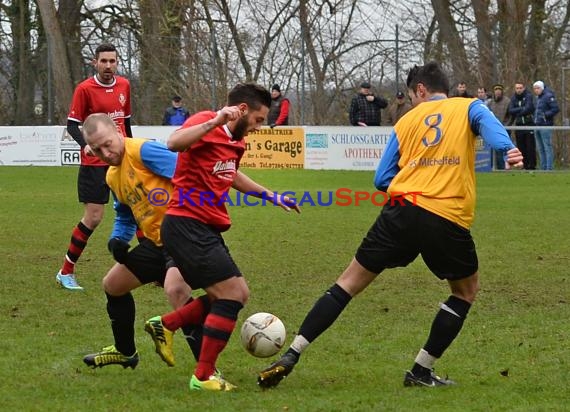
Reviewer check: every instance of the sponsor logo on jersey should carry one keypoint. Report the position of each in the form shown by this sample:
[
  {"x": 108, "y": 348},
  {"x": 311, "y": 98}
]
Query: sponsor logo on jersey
[
  {"x": 117, "y": 114},
  {"x": 224, "y": 166}
]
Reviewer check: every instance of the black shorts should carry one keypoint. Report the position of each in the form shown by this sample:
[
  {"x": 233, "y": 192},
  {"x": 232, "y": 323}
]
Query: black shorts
[
  {"x": 401, "y": 232},
  {"x": 92, "y": 186},
  {"x": 198, "y": 250},
  {"x": 148, "y": 262}
]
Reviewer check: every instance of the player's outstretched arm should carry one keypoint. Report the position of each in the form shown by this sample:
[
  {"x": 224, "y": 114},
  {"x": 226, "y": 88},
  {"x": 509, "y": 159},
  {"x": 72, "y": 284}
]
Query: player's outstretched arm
[
  {"x": 245, "y": 184},
  {"x": 185, "y": 137}
]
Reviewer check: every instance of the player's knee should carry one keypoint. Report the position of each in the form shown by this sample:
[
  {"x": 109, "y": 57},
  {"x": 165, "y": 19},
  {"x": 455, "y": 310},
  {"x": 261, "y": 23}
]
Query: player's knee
[
  {"x": 177, "y": 293},
  {"x": 242, "y": 293},
  {"x": 96, "y": 219},
  {"x": 113, "y": 286},
  {"x": 355, "y": 278},
  {"x": 235, "y": 289},
  {"x": 467, "y": 289},
  {"x": 108, "y": 287},
  {"x": 93, "y": 217},
  {"x": 92, "y": 221},
  {"x": 245, "y": 297},
  {"x": 473, "y": 289}
]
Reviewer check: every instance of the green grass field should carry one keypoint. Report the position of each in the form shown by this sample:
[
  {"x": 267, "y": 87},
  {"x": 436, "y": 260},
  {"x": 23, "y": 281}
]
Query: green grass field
[{"x": 518, "y": 327}]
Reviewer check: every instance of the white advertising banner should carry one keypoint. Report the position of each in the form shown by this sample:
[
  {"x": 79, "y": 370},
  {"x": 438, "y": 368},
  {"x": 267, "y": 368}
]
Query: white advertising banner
[
  {"x": 158, "y": 133},
  {"x": 344, "y": 147},
  {"x": 70, "y": 150},
  {"x": 53, "y": 146},
  {"x": 30, "y": 145},
  {"x": 326, "y": 147}
]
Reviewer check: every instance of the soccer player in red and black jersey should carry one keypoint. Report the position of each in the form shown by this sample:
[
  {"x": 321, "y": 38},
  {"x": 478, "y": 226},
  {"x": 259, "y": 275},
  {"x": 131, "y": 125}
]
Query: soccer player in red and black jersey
[
  {"x": 105, "y": 92},
  {"x": 211, "y": 146}
]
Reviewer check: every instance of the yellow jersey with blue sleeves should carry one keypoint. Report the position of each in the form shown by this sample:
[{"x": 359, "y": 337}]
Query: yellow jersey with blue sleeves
[
  {"x": 141, "y": 187},
  {"x": 431, "y": 153}
]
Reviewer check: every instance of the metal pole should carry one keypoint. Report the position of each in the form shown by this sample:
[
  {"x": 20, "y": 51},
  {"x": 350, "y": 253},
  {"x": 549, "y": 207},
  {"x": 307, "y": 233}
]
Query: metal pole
[
  {"x": 214, "y": 74},
  {"x": 49, "y": 85},
  {"x": 129, "y": 55},
  {"x": 564, "y": 114},
  {"x": 302, "y": 75},
  {"x": 397, "y": 59},
  {"x": 494, "y": 49}
]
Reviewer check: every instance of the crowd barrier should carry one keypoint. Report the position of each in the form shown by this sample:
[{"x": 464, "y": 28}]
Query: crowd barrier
[{"x": 306, "y": 147}]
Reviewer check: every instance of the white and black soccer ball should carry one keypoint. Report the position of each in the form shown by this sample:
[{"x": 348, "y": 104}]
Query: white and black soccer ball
[{"x": 263, "y": 334}]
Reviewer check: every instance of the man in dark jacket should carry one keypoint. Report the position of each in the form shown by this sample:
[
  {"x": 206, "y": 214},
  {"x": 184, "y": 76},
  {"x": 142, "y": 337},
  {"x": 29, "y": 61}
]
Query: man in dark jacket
[
  {"x": 397, "y": 109},
  {"x": 461, "y": 91},
  {"x": 521, "y": 109},
  {"x": 279, "y": 110},
  {"x": 176, "y": 114},
  {"x": 365, "y": 107},
  {"x": 546, "y": 109}
]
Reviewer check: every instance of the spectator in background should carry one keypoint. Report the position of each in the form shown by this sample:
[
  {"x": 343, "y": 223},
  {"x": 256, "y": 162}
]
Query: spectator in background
[
  {"x": 521, "y": 109},
  {"x": 365, "y": 107},
  {"x": 397, "y": 109},
  {"x": 461, "y": 91},
  {"x": 546, "y": 109},
  {"x": 482, "y": 95},
  {"x": 499, "y": 105},
  {"x": 279, "y": 111},
  {"x": 176, "y": 114}
]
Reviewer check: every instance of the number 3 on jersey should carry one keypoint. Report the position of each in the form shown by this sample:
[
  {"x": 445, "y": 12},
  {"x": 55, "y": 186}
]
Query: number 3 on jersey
[{"x": 433, "y": 121}]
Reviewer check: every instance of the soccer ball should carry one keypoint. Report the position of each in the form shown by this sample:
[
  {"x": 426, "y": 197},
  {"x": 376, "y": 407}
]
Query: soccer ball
[{"x": 263, "y": 334}]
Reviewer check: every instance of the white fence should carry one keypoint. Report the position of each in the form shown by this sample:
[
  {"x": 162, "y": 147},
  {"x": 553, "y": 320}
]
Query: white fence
[{"x": 309, "y": 147}]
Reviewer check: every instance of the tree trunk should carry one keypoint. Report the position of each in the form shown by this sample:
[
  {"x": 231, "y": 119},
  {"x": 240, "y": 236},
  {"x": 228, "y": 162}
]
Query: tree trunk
[
  {"x": 513, "y": 53},
  {"x": 317, "y": 93},
  {"x": 218, "y": 75},
  {"x": 161, "y": 24},
  {"x": 484, "y": 42},
  {"x": 240, "y": 47},
  {"x": 559, "y": 34},
  {"x": 69, "y": 16},
  {"x": 534, "y": 39},
  {"x": 449, "y": 33},
  {"x": 24, "y": 76},
  {"x": 57, "y": 51}
]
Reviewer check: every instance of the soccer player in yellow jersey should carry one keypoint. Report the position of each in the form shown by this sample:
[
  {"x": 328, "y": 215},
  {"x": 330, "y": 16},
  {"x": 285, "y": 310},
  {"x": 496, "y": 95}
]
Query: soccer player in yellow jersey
[
  {"x": 431, "y": 153},
  {"x": 139, "y": 177}
]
